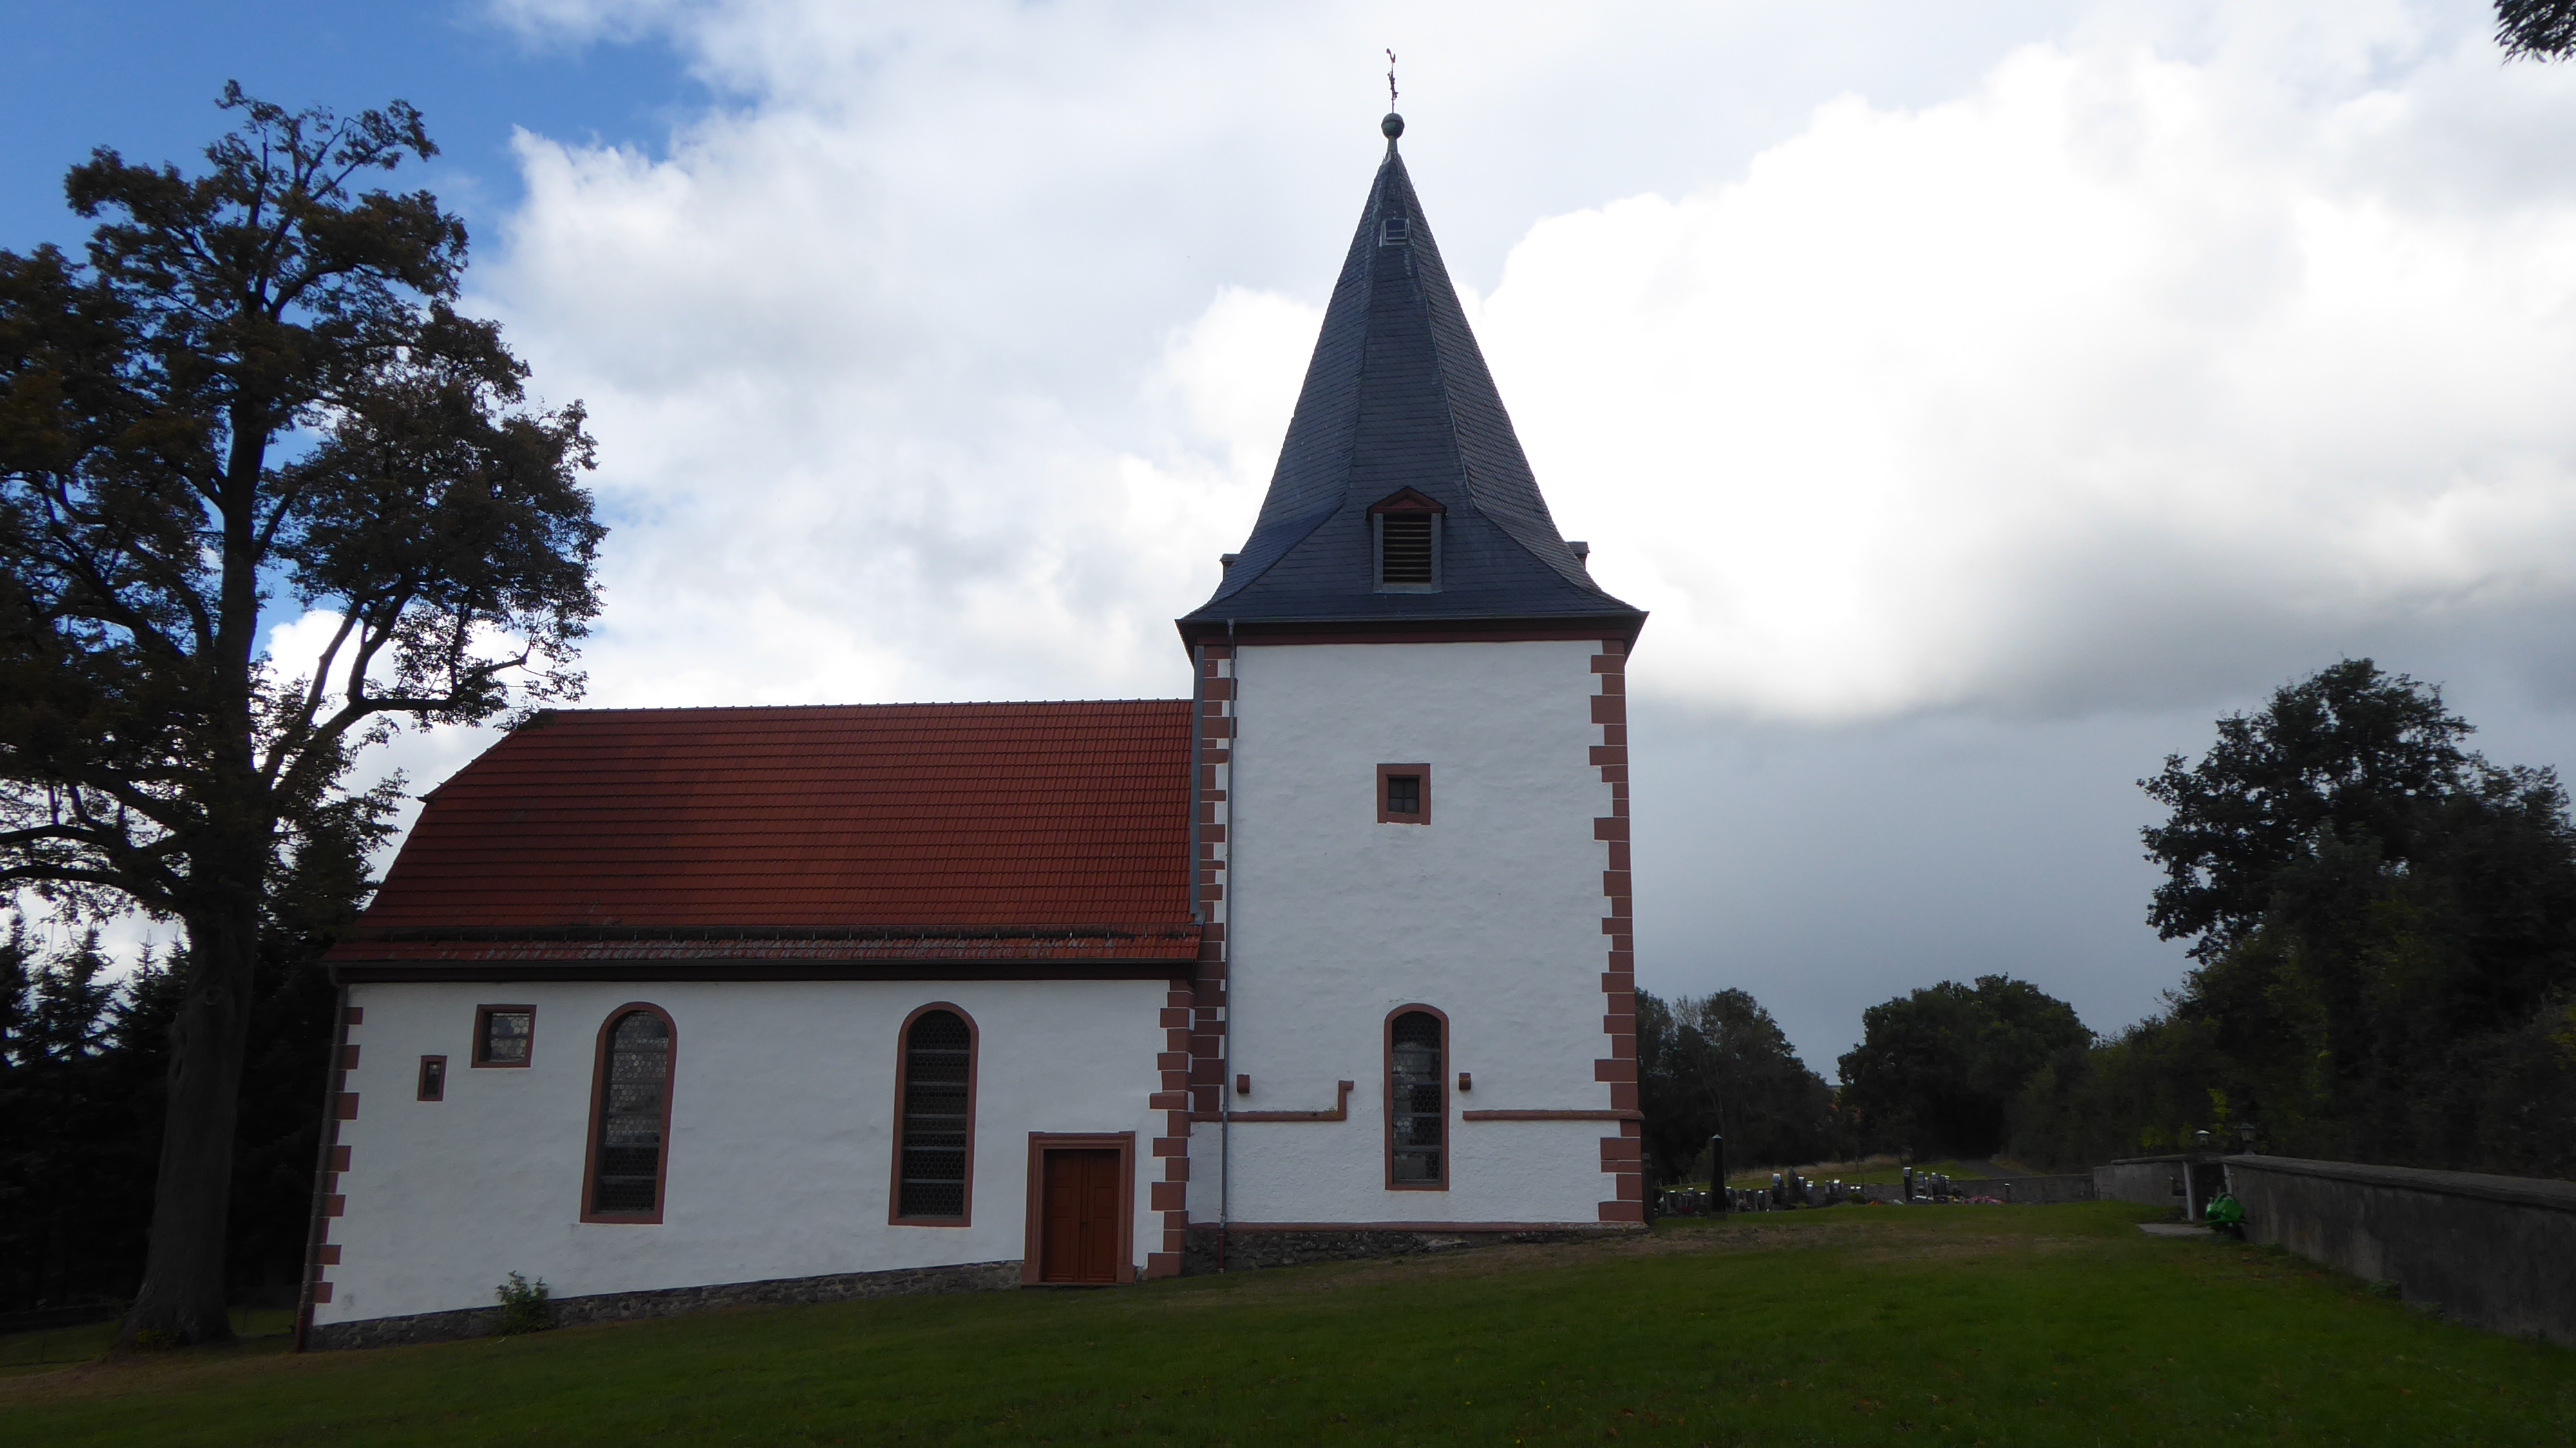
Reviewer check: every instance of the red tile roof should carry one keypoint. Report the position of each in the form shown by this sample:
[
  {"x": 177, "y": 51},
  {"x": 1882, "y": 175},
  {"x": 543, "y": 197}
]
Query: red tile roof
[{"x": 1051, "y": 830}]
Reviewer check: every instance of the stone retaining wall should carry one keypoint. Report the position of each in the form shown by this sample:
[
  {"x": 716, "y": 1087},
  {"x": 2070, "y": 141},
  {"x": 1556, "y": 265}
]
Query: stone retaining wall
[
  {"x": 2495, "y": 1252},
  {"x": 629, "y": 1306}
]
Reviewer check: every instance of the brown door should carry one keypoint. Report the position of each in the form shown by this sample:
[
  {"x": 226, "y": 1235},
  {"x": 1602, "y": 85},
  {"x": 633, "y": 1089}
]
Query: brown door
[{"x": 1081, "y": 1242}]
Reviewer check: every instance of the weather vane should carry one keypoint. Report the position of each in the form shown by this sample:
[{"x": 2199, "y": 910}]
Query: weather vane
[{"x": 1390, "y": 80}]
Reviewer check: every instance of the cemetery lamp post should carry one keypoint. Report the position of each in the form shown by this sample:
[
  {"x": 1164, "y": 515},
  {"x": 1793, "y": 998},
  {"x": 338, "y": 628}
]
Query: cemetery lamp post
[{"x": 1717, "y": 1174}]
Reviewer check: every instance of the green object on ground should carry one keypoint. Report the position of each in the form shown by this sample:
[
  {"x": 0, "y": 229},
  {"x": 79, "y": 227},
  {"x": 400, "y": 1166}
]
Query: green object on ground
[
  {"x": 2224, "y": 1211},
  {"x": 1931, "y": 1325}
]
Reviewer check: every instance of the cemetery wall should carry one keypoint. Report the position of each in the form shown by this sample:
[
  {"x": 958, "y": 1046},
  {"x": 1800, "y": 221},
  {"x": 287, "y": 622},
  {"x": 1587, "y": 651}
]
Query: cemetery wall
[
  {"x": 2159, "y": 1181},
  {"x": 2494, "y": 1252}
]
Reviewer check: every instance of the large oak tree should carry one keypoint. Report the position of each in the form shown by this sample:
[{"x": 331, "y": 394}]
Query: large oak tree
[{"x": 253, "y": 398}]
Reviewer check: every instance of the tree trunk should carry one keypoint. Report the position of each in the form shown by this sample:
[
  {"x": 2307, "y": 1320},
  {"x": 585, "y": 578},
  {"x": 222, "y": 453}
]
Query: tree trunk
[{"x": 182, "y": 1297}]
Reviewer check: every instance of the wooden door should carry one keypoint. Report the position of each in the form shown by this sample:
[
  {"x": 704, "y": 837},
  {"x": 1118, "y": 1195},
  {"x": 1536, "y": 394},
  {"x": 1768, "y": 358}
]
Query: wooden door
[{"x": 1081, "y": 1206}]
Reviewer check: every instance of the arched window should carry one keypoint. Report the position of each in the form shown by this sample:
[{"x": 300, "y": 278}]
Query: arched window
[
  {"x": 1417, "y": 1099},
  {"x": 934, "y": 1149},
  {"x": 630, "y": 1119}
]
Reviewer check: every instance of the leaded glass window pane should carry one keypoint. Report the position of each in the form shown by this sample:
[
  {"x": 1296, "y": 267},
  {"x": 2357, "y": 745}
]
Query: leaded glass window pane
[
  {"x": 938, "y": 1052},
  {"x": 505, "y": 1037},
  {"x": 1418, "y": 1118},
  {"x": 627, "y": 1178}
]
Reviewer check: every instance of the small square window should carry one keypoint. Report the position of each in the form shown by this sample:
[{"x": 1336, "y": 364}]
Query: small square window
[
  {"x": 433, "y": 1078},
  {"x": 504, "y": 1035},
  {"x": 1396, "y": 231},
  {"x": 1404, "y": 794}
]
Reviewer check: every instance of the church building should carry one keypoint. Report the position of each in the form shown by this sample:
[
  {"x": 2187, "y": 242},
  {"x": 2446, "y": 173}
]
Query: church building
[{"x": 682, "y": 1007}]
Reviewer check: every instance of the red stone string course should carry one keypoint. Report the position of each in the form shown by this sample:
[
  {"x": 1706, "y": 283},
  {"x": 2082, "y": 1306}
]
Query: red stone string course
[{"x": 1622, "y": 1156}]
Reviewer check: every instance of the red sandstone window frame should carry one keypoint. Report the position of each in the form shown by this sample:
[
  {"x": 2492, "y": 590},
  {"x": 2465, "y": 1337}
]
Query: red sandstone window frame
[
  {"x": 902, "y": 1089},
  {"x": 599, "y": 1112},
  {"x": 1440, "y": 1078},
  {"x": 1386, "y": 816},
  {"x": 1033, "y": 1247},
  {"x": 477, "y": 1057},
  {"x": 432, "y": 1084}
]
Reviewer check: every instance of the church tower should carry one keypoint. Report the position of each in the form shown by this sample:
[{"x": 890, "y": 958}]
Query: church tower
[{"x": 1415, "y": 1011}]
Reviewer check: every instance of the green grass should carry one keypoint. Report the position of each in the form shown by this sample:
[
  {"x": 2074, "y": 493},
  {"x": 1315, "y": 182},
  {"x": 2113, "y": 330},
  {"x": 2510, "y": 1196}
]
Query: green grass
[
  {"x": 1966, "y": 1325},
  {"x": 23, "y": 1353}
]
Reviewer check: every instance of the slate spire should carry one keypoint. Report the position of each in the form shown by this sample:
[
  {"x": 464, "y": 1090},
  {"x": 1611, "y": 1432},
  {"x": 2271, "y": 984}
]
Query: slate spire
[{"x": 1398, "y": 397}]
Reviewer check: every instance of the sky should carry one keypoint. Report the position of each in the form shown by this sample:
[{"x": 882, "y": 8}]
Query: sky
[{"x": 1982, "y": 398}]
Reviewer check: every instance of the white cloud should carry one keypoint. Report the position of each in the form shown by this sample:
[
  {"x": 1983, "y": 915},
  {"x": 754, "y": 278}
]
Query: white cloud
[
  {"x": 295, "y": 646},
  {"x": 2157, "y": 352},
  {"x": 2074, "y": 390}
]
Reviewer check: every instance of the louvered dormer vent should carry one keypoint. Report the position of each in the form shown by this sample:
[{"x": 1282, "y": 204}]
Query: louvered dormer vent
[
  {"x": 1405, "y": 530},
  {"x": 1407, "y": 556}
]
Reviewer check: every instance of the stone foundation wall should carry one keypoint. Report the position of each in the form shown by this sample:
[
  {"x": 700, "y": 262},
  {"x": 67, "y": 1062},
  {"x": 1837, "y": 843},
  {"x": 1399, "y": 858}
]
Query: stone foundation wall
[
  {"x": 631, "y": 1306},
  {"x": 1248, "y": 1248}
]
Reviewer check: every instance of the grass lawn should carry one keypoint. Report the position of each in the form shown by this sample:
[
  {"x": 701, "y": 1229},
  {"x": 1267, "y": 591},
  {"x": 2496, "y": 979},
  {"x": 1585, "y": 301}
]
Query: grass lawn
[
  {"x": 24, "y": 1353},
  {"x": 1995, "y": 1325}
]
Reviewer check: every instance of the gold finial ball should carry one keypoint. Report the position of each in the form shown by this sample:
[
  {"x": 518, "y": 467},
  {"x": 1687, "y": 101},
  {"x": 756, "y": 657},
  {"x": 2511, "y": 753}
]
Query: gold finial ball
[{"x": 1393, "y": 125}]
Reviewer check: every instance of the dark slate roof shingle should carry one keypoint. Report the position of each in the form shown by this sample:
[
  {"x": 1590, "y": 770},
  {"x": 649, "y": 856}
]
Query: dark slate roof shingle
[{"x": 1398, "y": 396}]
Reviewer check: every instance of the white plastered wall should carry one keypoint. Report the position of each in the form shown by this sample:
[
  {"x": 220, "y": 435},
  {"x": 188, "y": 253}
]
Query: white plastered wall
[
  {"x": 781, "y": 1142},
  {"x": 1491, "y": 913}
]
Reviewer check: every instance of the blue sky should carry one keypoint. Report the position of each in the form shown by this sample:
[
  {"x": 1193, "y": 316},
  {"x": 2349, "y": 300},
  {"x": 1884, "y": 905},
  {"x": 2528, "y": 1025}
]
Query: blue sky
[
  {"x": 143, "y": 78},
  {"x": 1983, "y": 398}
]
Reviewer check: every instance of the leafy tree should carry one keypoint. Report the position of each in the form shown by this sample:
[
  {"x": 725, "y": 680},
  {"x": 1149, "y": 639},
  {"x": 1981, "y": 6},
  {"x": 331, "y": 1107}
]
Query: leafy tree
[
  {"x": 2537, "y": 29},
  {"x": 2395, "y": 943},
  {"x": 254, "y": 389},
  {"x": 1720, "y": 1062},
  {"x": 2387, "y": 947},
  {"x": 1938, "y": 1070},
  {"x": 2145, "y": 1090},
  {"x": 292, "y": 1027},
  {"x": 2348, "y": 750}
]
